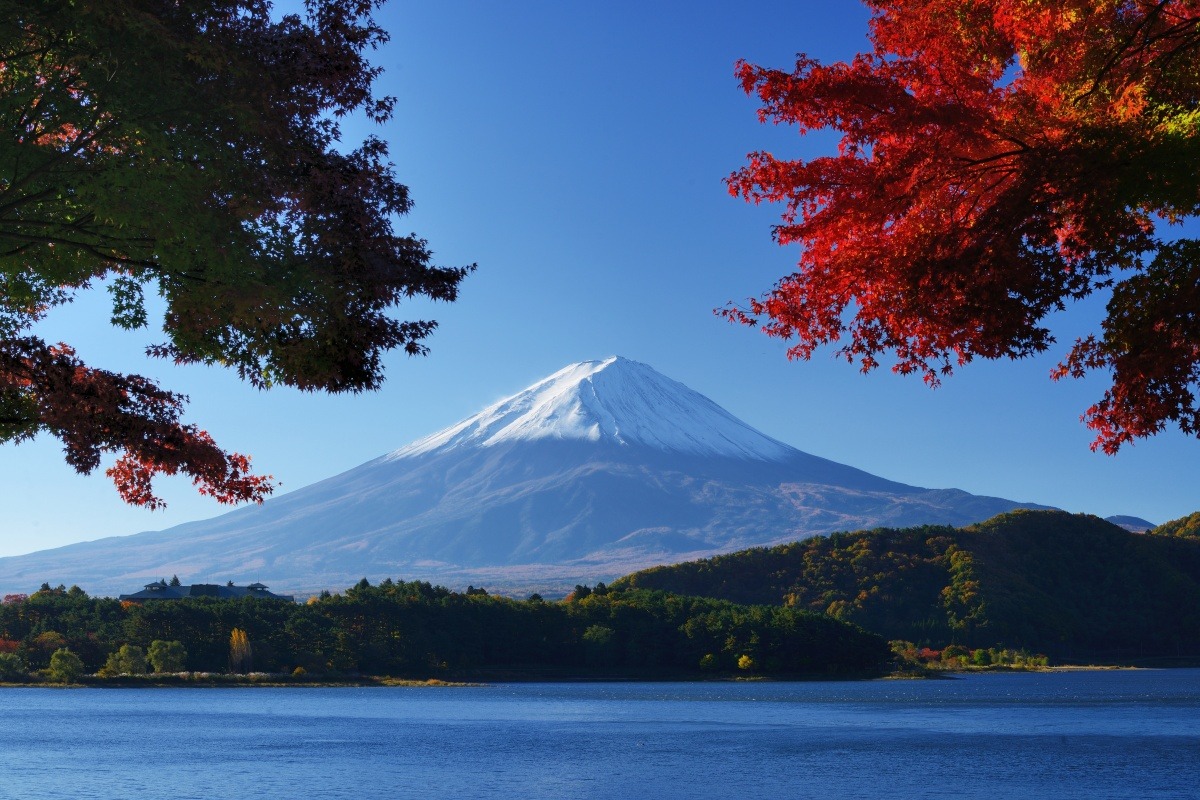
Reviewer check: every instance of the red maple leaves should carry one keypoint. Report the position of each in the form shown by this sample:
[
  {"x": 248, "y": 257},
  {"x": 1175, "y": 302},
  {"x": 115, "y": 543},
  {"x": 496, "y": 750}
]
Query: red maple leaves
[
  {"x": 94, "y": 411},
  {"x": 997, "y": 160}
]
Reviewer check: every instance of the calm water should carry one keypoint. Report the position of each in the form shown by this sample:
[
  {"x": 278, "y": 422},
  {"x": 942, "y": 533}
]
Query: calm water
[{"x": 1074, "y": 735}]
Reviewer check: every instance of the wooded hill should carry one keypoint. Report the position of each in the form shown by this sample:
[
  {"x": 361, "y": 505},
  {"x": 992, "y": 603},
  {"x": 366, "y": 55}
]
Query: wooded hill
[
  {"x": 1074, "y": 587},
  {"x": 416, "y": 630},
  {"x": 1185, "y": 528}
]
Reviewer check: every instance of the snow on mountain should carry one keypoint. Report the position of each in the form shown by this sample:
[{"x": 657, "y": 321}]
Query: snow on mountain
[
  {"x": 600, "y": 469},
  {"x": 614, "y": 400}
]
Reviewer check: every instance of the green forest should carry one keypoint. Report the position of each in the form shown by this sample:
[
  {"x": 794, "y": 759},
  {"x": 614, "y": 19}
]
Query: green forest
[
  {"x": 420, "y": 631},
  {"x": 1074, "y": 587}
]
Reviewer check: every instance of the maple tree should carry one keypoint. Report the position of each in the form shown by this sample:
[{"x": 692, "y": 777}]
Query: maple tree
[
  {"x": 997, "y": 160},
  {"x": 193, "y": 149}
]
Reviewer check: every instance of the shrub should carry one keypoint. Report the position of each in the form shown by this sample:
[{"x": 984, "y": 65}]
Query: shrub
[
  {"x": 167, "y": 656},
  {"x": 129, "y": 660},
  {"x": 65, "y": 666},
  {"x": 11, "y": 667}
]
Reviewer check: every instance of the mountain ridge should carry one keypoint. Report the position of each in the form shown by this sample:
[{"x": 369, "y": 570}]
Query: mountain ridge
[
  {"x": 1073, "y": 586},
  {"x": 599, "y": 469}
]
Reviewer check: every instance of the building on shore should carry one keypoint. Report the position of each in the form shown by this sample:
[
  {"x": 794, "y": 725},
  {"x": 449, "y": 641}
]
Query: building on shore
[{"x": 161, "y": 590}]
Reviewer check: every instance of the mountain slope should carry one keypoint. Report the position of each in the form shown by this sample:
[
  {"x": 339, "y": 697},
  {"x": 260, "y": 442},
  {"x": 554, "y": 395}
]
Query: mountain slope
[
  {"x": 1131, "y": 524},
  {"x": 1070, "y": 585},
  {"x": 1185, "y": 527},
  {"x": 603, "y": 467}
]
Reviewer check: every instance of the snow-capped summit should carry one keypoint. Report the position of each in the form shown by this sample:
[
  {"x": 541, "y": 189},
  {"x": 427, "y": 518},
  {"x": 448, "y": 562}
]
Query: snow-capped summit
[
  {"x": 602, "y": 468},
  {"x": 614, "y": 400}
]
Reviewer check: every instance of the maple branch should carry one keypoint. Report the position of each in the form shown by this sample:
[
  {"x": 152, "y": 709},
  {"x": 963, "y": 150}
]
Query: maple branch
[
  {"x": 170, "y": 170},
  {"x": 974, "y": 162},
  {"x": 56, "y": 157},
  {"x": 20, "y": 200},
  {"x": 1123, "y": 50}
]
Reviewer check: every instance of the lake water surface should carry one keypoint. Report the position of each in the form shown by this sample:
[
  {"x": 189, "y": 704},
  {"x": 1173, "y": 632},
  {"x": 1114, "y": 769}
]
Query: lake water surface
[{"x": 1126, "y": 734}]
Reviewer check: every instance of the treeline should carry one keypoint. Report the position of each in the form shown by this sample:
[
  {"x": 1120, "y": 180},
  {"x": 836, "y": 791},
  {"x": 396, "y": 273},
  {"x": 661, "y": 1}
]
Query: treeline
[
  {"x": 414, "y": 629},
  {"x": 1185, "y": 528},
  {"x": 1072, "y": 586}
]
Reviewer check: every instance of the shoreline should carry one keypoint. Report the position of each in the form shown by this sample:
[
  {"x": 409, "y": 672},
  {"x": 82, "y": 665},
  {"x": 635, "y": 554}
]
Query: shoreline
[{"x": 483, "y": 678}]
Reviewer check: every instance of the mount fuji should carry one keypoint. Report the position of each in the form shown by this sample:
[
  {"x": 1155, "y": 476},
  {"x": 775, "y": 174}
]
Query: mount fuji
[{"x": 602, "y": 468}]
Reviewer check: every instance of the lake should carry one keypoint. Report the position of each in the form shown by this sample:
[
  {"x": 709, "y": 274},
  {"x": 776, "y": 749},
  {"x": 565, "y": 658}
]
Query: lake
[{"x": 1118, "y": 734}]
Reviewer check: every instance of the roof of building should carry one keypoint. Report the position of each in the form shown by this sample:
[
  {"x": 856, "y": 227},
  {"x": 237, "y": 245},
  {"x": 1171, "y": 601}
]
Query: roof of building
[{"x": 161, "y": 590}]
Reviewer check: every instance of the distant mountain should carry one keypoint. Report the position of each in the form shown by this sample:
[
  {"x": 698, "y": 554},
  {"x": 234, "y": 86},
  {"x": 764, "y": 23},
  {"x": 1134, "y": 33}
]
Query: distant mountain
[
  {"x": 1131, "y": 524},
  {"x": 602, "y": 468},
  {"x": 1073, "y": 586}
]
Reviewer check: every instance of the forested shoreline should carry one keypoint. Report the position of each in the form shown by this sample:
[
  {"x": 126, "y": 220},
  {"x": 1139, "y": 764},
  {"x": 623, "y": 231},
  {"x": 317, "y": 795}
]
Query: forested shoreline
[
  {"x": 418, "y": 631},
  {"x": 1006, "y": 592},
  {"x": 1071, "y": 586}
]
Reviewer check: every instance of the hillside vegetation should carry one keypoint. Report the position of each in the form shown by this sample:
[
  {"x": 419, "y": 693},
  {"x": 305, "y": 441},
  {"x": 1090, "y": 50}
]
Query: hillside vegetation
[
  {"x": 1072, "y": 586},
  {"x": 417, "y": 630},
  {"x": 1186, "y": 527}
]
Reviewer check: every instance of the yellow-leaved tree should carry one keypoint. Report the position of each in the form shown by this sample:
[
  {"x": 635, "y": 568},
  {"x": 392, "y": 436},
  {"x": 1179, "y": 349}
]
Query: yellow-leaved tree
[{"x": 240, "y": 655}]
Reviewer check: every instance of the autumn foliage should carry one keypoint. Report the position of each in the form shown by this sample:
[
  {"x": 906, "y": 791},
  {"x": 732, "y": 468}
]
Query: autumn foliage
[
  {"x": 94, "y": 411},
  {"x": 240, "y": 653},
  {"x": 998, "y": 159},
  {"x": 1070, "y": 585},
  {"x": 194, "y": 149},
  {"x": 417, "y": 630}
]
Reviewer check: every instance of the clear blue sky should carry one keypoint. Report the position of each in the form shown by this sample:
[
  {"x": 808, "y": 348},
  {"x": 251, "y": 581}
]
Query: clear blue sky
[{"x": 576, "y": 152}]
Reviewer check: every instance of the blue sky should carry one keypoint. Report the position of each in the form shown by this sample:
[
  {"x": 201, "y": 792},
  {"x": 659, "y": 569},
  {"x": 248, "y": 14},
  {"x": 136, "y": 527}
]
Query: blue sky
[{"x": 576, "y": 153}]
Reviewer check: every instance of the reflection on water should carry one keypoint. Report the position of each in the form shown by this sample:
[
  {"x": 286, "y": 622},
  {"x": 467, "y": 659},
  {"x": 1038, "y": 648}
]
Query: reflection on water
[{"x": 1128, "y": 734}]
